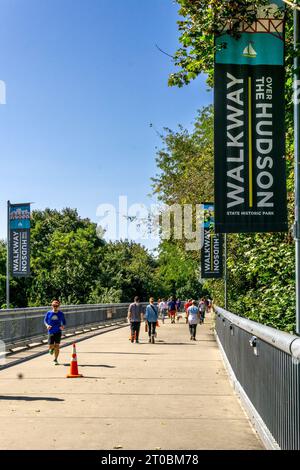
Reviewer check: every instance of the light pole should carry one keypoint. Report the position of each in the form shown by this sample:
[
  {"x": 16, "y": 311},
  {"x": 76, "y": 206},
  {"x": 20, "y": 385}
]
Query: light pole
[
  {"x": 297, "y": 159},
  {"x": 225, "y": 271},
  {"x": 7, "y": 257}
]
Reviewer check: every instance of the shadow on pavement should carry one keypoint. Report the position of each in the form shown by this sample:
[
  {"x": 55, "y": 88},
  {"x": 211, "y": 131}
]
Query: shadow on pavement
[
  {"x": 162, "y": 343},
  {"x": 9, "y": 398},
  {"x": 116, "y": 352},
  {"x": 91, "y": 365}
]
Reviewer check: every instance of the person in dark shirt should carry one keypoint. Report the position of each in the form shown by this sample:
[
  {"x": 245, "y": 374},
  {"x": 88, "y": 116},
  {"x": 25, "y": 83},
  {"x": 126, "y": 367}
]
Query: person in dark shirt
[
  {"x": 55, "y": 322},
  {"x": 135, "y": 317}
]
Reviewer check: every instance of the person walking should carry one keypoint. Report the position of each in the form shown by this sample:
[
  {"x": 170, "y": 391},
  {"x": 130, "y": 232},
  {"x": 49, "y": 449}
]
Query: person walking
[
  {"x": 193, "y": 319},
  {"x": 172, "y": 309},
  {"x": 55, "y": 322},
  {"x": 151, "y": 316},
  {"x": 163, "y": 309},
  {"x": 178, "y": 306},
  {"x": 135, "y": 316},
  {"x": 186, "y": 306},
  {"x": 202, "y": 309}
]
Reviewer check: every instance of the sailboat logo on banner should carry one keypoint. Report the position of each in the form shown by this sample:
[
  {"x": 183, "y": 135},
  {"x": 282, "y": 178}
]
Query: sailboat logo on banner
[{"x": 249, "y": 51}]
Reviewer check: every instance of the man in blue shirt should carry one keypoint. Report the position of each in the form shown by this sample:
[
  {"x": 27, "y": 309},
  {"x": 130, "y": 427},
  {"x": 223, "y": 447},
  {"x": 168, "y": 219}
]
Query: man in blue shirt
[
  {"x": 55, "y": 322},
  {"x": 151, "y": 316}
]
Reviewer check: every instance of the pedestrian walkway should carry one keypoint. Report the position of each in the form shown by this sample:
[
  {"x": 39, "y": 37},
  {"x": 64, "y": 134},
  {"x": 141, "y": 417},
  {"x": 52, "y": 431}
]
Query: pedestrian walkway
[{"x": 174, "y": 394}]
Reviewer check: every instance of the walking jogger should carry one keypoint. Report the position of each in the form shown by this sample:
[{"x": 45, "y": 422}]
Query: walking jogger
[
  {"x": 202, "y": 309},
  {"x": 55, "y": 322},
  {"x": 151, "y": 317}
]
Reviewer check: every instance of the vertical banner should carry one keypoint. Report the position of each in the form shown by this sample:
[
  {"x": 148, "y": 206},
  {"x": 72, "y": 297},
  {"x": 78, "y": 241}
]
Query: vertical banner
[
  {"x": 211, "y": 245},
  {"x": 19, "y": 239},
  {"x": 250, "y": 174}
]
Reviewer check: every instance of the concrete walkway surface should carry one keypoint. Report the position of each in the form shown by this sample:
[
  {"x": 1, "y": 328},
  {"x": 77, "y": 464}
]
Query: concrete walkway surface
[{"x": 174, "y": 394}]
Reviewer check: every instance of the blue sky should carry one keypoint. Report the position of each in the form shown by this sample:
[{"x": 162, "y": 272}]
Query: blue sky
[{"x": 84, "y": 81}]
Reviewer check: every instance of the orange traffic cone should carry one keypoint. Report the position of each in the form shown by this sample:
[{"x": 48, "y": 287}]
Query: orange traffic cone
[{"x": 74, "y": 366}]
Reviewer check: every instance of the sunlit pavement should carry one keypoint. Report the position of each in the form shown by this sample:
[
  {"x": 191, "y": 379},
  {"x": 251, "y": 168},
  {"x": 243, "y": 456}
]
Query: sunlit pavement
[{"x": 174, "y": 394}]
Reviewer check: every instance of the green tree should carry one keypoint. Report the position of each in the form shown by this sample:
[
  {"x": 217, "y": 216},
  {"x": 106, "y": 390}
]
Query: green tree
[
  {"x": 128, "y": 268},
  {"x": 201, "y": 20},
  {"x": 178, "y": 273},
  {"x": 69, "y": 261},
  {"x": 65, "y": 254},
  {"x": 185, "y": 163}
]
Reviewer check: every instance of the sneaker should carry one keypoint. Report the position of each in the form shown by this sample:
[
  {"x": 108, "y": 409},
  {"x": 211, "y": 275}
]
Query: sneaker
[
  {"x": 152, "y": 340},
  {"x": 191, "y": 338},
  {"x": 149, "y": 340},
  {"x": 137, "y": 341},
  {"x": 51, "y": 351},
  {"x": 194, "y": 339},
  {"x": 55, "y": 362}
]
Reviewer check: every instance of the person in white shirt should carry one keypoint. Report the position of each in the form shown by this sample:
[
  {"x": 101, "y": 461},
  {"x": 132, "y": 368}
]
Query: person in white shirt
[
  {"x": 163, "y": 309},
  {"x": 193, "y": 319}
]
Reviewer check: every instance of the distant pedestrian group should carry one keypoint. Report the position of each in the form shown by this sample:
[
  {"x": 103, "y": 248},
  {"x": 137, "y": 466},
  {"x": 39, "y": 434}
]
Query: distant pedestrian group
[{"x": 195, "y": 314}]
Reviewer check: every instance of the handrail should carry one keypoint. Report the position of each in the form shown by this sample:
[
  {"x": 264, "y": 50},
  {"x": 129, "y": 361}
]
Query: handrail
[
  {"x": 62, "y": 307},
  {"x": 19, "y": 326},
  {"x": 279, "y": 339}
]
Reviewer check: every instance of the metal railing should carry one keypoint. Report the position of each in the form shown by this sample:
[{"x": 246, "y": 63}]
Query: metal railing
[
  {"x": 19, "y": 327},
  {"x": 265, "y": 367}
]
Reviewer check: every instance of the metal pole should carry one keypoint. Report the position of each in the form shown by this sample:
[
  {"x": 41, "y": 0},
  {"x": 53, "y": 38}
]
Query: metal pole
[
  {"x": 297, "y": 159},
  {"x": 225, "y": 271},
  {"x": 7, "y": 258}
]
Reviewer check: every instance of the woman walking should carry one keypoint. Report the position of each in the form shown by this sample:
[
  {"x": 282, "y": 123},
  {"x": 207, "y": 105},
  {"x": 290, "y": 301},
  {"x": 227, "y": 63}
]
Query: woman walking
[
  {"x": 151, "y": 317},
  {"x": 193, "y": 319}
]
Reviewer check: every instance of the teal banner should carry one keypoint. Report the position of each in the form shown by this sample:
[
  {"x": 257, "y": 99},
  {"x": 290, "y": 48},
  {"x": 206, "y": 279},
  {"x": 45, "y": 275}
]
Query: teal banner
[
  {"x": 250, "y": 180},
  {"x": 19, "y": 239},
  {"x": 211, "y": 245}
]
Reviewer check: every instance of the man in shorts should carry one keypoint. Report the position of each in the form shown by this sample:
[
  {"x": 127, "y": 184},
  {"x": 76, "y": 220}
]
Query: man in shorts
[{"x": 55, "y": 322}]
